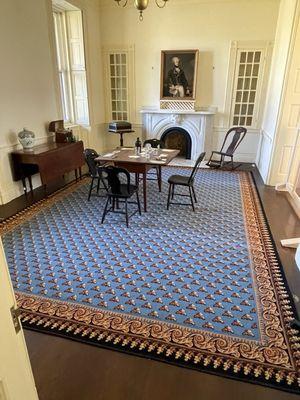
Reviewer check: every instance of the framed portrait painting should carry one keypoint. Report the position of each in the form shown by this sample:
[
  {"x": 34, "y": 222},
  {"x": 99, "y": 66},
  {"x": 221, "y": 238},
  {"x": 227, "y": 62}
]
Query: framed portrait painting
[{"x": 178, "y": 74}]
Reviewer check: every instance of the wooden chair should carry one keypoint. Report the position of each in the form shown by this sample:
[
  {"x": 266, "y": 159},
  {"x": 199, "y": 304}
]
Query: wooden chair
[
  {"x": 183, "y": 180},
  {"x": 90, "y": 155},
  {"x": 236, "y": 134},
  {"x": 154, "y": 175},
  {"x": 119, "y": 192}
]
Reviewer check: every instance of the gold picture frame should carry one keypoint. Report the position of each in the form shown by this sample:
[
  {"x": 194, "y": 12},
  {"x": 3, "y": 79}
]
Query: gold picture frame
[{"x": 178, "y": 74}]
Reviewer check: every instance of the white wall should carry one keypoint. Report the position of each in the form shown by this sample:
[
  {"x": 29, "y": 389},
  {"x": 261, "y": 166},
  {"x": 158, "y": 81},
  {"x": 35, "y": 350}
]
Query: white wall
[
  {"x": 29, "y": 92},
  {"x": 278, "y": 76},
  {"x": 209, "y": 26}
]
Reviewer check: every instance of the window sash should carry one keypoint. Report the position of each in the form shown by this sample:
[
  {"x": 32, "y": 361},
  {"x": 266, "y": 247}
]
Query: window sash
[
  {"x": 246, "y": 89},
  {"x": 118, "y": 85},
  {"x": 72, "y": 76}
]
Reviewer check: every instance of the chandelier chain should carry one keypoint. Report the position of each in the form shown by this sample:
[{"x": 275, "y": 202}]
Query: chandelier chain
[{"x": 142, "y": 5}]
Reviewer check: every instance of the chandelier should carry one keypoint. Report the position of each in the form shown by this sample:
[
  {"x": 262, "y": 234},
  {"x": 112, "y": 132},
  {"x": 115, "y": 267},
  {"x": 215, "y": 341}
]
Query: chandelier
[{"x": 141, "y": 5}]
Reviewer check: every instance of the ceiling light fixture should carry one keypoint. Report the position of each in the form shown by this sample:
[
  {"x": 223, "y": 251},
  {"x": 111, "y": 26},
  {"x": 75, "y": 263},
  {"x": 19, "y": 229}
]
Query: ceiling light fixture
[{"x": 141, "y": 5}]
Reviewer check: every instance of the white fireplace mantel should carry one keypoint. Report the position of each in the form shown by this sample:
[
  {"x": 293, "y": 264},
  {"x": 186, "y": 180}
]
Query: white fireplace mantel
[{"x": 198, "y": 124}]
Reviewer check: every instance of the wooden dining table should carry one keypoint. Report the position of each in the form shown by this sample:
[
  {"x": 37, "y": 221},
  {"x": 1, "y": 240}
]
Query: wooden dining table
[{"x": 140, "y": 164}]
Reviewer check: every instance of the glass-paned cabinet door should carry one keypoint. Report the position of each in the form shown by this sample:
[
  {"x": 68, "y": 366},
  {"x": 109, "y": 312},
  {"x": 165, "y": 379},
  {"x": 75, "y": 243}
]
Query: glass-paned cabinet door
[
  {"x": 246, "y": 92},
  {"x": 118, "y": 70}
]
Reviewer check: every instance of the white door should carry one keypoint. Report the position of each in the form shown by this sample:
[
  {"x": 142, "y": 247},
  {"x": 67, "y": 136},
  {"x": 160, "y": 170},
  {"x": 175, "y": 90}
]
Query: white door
[{"x": 16, "y": 379}]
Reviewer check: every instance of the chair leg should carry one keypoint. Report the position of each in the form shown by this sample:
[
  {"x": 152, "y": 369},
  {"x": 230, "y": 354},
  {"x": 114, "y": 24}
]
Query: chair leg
[
  {"x": 113, "y": 203},
  {"x": 232, "y": 165},
  {"x": 158, "y": 176},
  {"x": 169, "y": 196},
  {"x": 104, "y": 184},
  {"x": 193, "y": 190},
  {"x": 105, "y": 210},
  {"x": 191, "y": 196},
  {"x": 138, "y": 202},
  {"x": 222, "y": 161},
  {"x": 98, "y": 185},
  {"x": 173, "y": 190},
  {"x": 126, "y": 213},
  {"x": 91, "y": 188}
]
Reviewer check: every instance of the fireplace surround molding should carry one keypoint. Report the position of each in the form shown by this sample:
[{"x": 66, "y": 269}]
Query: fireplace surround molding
[{"x": 198, "y": 124}]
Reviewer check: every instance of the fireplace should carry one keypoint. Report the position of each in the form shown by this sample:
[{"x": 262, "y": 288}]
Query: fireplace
[
  {"x": 178, "y": 139},
  {"x": 190, "y": 131}
]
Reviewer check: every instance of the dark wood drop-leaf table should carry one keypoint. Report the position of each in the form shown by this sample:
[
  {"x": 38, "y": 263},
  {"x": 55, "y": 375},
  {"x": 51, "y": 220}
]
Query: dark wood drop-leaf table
[{"x": 51, "y": 160}]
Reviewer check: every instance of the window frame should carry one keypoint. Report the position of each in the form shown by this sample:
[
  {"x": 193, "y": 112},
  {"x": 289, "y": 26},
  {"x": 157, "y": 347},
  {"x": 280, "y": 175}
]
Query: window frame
[
  {"x": 130, "y": 72},
  {"x": 62, "y": 50},
  {"x": 236, "y": 48}
]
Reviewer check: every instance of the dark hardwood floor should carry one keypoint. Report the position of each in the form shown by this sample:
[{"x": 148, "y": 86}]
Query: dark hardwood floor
[{"x": 67, "y": 370}]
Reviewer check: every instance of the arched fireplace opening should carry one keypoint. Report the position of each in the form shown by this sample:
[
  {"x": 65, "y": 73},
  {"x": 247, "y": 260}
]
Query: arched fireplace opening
[{"x": 179, "y": 139}]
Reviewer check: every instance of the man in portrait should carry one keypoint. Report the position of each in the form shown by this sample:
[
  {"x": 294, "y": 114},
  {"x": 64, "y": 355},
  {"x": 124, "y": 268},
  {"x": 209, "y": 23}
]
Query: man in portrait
[{"x": 176, "y": 80}]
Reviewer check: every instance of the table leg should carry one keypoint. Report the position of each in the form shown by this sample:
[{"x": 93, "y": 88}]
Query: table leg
[
  {"x": 121, "y": 139},
  {"x": 145, "y": 190},
  {"x": 159, "y": 178},
  {"x": 76, "y": 174},
  {"x": 30, "y": 184},
  {"x": 24, "y": 185},
  {"x": 80, "y": 173}
]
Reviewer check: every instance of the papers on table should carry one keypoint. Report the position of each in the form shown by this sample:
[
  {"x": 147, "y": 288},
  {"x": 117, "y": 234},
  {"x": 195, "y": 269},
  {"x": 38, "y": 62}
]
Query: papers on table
[
  {"x": 167, "y": 150},
  {"x": 133, "y": 156},
  {"x": 108, "y": 155},
  {"x": 113, "y": 154}
]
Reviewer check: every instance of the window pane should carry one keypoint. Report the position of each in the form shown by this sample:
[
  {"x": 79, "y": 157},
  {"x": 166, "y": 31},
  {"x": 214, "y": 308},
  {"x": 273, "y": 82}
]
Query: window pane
[
  {"x": 254, "y": 83},
  {"x": 248, "y": 70},
  {"x": 118, "y": 59},
  {"x": 245, "y": 97},
  {"x": 257, "y": 56},
  {"x": 242, "y": 70},
  {"x": 123, "y": 58},
  {"x": 250, "y": 109},
  {"x": 244, "y": 109},
  {"x": 247, "y": 83},
  {"x": 242, "y": 120},
  {"x": 250, "y": 56},
  {"x": 255, "y": 69},
  {"x": 252, "y": 97},
  {"x": 111, "y": 58},
  {"x": 249, "y": 121},
  {"x": 238, "y": 97},
  {"x": 243, "y": 57},
  {"x": 237, "y": 109},
  {"x": 240, "y": 84},
  {"x": 112, "y": 70}
]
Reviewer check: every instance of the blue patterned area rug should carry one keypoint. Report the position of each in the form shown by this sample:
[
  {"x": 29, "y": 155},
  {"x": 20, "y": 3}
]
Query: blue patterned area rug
[{"x": 203, "y": 290}]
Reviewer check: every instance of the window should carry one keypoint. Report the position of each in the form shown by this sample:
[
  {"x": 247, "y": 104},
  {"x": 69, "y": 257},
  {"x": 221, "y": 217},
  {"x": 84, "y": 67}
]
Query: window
[
  {"x": 71, "y": 65},
  {"x": 118, "y": 86},
  {"x": 246, "y": 83},
  {"x": 245, "y": 91},
  {"x": 119, "y": 83}
]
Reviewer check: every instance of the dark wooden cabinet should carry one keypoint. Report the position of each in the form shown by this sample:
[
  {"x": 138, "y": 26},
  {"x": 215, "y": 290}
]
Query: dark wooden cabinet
[{"x": 50, "y": 160}]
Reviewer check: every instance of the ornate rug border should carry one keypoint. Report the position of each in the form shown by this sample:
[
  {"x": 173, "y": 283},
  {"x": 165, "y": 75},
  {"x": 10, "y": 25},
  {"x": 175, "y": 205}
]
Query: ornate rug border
[{"x": 108, "y": 335}]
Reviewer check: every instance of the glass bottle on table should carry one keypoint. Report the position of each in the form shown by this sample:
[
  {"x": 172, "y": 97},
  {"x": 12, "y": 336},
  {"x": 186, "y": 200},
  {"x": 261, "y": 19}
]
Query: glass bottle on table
[{"x": 138, "y": 146}]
